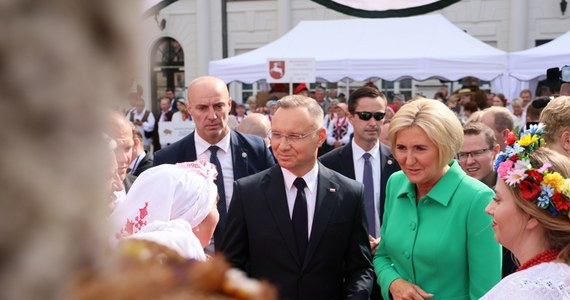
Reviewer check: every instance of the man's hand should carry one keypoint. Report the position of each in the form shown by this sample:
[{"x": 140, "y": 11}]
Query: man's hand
[
  {"x": 373, "y": 244},
  {"x": 405, "y": 290}
]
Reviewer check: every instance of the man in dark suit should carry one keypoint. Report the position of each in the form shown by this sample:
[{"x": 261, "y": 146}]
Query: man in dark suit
[
  {"x": 236, "y": 155},
  {"x": 366, "y": 108},
  {"x": 141, "y": 160},
  {"x": 169, "y": 94},
  {"x": 301, "y": 225}
]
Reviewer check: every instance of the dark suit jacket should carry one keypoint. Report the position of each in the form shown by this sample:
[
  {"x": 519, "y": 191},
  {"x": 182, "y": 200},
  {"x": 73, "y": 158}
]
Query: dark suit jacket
[
  {"x": 340, "y": 160},
  {"x": 145, "y": 164},
  {"x": 259, "y": 237},
  {"x": 249, "y": 153},
  {"x": 128, "y": 182},
  {"x": 155, "y": 136}
]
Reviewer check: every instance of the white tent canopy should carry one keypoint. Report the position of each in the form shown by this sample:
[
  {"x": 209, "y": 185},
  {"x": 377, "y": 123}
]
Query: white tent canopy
[
  {"x": 420, "y": 47},
  {"x": 532, "y": 63},
  {"x": 529, "y": 66}
]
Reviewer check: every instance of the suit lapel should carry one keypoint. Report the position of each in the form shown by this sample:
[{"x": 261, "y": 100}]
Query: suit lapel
[
  {"x": 387, "y": 167},
  {"x": 346, "y": 161},
  {"x": 273, "y": 186},
  {"x": 187, "y": 151},
  {"x": 326, "y": 196},
  {"x": 239, "y": 156}
]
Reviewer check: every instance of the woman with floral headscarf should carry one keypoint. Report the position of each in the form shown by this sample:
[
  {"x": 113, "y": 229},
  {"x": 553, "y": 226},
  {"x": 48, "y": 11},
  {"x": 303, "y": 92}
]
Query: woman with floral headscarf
[
  {"x": 531, "y": 218},
  {"x": 173, "y": 205}
]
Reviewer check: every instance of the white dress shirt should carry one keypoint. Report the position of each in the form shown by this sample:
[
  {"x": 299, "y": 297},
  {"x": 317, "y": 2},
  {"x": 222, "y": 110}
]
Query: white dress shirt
[
  {"x": 225, "y": 158},
  {"x": 358, "y": 162},
  {"x": 136, "y": 161},
  {"x": 311, "y": 179}
]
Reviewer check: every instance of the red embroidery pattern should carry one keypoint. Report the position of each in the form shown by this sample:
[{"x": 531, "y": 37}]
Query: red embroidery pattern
[{"x": 134, "y": 226}]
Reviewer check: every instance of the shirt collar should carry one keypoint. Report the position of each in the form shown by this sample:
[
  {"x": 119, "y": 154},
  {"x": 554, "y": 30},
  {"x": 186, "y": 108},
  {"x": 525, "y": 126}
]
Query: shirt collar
[
  {"x": 202, "y": 146},
  {"x": 358, "y": 151},
  {"x": 310, "y": 178},
  {"x": 443, "y": 190},
  {"x": 137, "y": 160}
]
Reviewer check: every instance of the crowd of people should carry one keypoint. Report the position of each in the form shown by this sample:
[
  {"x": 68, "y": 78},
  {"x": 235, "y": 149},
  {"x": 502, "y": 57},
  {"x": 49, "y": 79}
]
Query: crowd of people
[
  {"x": 415, "y": 204},
  {"x": 362, "y": 199}
]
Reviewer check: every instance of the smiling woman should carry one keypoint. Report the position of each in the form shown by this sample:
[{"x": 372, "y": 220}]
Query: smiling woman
[
  {"x": 433, "y": 211},
  {"x": 531, "y": 217}
]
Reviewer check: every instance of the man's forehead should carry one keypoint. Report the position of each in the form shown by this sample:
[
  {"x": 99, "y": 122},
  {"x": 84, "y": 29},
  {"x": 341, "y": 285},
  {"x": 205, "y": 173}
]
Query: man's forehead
[
  {"x": 475, "y": 140},
  {"x": 370, "y": 101},
  {"x": 206, "y": 100},
  {"x": 124, "y": 141}
]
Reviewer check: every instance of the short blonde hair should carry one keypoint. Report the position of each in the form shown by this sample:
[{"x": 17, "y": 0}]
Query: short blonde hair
[
  {"x": 438, "y": 122},
  {"x": 556, "y": 118}
]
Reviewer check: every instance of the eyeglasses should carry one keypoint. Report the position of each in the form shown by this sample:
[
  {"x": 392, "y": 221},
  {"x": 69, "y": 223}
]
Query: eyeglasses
[
  {"x": 474, "y": 154},
  {"x": 366, "y": 115},
  {"x": 291, "y": 138}
]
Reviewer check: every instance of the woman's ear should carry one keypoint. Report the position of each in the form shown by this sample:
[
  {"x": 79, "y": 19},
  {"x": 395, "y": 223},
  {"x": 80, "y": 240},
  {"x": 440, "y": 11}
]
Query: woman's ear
[
  {"x": 532, "y": 223},
  {"x": 565, "y": 140}
]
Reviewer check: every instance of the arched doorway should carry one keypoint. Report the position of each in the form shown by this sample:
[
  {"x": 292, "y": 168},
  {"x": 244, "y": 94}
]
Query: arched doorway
[{"x": 167, "y": 61}]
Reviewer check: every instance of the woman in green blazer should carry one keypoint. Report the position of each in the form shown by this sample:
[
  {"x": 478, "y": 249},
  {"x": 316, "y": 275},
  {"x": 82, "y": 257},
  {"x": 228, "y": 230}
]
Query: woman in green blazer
[{"x": 437, "y": 242}]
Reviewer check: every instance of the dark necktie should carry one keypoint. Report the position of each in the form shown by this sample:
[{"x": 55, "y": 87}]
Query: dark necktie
[
  {"x": 221, "y": 193},
  {"x": 299, "y": 219},
  {"x": 369, "y": 194}
]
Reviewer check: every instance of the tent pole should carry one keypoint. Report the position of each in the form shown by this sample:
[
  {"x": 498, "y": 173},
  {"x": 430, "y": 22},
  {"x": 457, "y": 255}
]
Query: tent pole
[
  {"x": 347, "y": 89},
  {"x": 290, "y": 88}
]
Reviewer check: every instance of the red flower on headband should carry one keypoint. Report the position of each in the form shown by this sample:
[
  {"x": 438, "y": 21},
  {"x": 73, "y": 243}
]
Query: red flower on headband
[
  {"x": 529, "y": 190},
  {"x": 560, "y": 202},
  {"x": 511, "y": 138},
  {"x": 535, "y": 175}
]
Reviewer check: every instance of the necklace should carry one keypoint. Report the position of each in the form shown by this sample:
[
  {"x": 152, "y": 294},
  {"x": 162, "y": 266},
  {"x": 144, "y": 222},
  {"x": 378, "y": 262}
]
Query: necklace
[{"x": 546, "y": 256}]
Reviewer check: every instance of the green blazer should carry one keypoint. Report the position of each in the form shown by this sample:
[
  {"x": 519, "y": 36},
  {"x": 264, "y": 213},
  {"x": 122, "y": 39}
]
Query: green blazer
[{"x": 445, "y": 244}]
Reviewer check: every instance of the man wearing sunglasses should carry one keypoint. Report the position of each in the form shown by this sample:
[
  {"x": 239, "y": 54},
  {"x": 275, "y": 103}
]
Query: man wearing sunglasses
[{"x": 365, "y": 159}]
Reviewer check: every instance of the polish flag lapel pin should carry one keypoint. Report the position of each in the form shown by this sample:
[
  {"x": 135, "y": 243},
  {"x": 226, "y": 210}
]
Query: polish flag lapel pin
[{"x": 332, "y": 190}]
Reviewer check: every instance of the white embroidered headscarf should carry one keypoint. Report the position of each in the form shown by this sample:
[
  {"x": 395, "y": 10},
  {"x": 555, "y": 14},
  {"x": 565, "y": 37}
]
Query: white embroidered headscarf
[{"x": 183, "y": 191}]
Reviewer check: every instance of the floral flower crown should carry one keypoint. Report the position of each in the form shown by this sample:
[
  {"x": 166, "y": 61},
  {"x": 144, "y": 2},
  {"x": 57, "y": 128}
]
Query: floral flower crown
[{"x": 548, "y": 190}]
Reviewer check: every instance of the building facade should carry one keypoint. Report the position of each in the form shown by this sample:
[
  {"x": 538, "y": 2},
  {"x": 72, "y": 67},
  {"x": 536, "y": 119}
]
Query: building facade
[{"x": 181, "y": 39}]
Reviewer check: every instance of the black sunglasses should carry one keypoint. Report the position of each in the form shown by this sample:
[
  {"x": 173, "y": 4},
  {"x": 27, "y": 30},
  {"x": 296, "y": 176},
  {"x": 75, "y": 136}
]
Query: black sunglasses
[{"x": 366, "y": 115}]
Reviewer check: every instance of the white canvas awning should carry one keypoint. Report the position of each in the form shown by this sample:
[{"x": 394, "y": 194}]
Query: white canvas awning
[
  {"x": 529, "y": 66},
  {"x": 532, "y": 63},
  {"x": 419, "y": 47}
]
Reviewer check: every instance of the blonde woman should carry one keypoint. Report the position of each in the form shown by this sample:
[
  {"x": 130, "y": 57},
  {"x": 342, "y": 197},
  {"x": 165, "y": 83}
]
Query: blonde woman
[{"x": 436, "y": 239}]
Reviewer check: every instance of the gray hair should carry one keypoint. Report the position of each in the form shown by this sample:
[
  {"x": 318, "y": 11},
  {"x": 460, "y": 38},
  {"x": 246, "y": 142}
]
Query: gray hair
[{"x": 310, "y": 104}]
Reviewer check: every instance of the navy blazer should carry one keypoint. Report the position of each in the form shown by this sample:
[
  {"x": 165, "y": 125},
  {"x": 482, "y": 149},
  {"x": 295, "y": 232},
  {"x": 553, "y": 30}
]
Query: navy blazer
[
  {"x": 340, "y": 160},
  {"x": 249, "y": 153},
  {"x": 145, "y": 164},
  {"x": 259, "y": 237}
]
